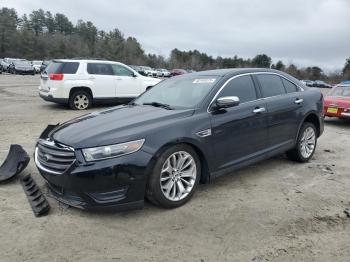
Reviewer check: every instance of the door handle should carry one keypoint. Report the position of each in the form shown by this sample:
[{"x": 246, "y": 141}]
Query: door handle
[
  {"x": 298, "y": 101},
  {"x": 259, "y": 110},
  {"x": 118, "y": 78},
  {"x": 92, "y": 77}
]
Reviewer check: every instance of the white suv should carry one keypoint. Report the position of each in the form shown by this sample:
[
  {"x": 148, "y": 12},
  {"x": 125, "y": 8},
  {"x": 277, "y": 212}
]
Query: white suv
[{"x": 80, "y": 83}]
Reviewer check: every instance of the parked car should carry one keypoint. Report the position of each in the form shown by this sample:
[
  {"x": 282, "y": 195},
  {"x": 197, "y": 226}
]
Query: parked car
[
  {"x": 187, "y": 129},
  {"x": 163, "y": 72},
  {"x": 320, "y": 83},
  {"x": 21, "y": 67},
  {"x": 337, "y": 102},
  {"x": 44, "y": 64},
  {"x": 138, "y": 69},
  {"x": 5, "y": 63},
  {"x": 37, "y": 65},
  {"x": 176, "y": 72},
  {"x": 80, "y": 83},
  {"x": 308, "y": 82},
  {"x": 148, "y": 71}
]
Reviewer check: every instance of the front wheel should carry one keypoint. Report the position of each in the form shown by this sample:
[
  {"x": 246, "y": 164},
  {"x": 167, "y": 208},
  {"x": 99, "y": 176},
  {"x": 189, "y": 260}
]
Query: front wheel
[
  {"x": 80, "y": 100},
  {"x": 175, "y": 177},
  {"x": 306, "y": 144}
]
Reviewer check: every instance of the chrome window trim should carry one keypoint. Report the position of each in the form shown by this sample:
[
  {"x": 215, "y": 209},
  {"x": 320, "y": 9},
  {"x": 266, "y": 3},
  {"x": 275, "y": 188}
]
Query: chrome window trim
[{"x": 253, "y": 73}]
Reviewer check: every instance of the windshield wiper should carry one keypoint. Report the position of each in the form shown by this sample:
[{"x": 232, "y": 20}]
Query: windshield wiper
[{"x": 157, "y": 104}]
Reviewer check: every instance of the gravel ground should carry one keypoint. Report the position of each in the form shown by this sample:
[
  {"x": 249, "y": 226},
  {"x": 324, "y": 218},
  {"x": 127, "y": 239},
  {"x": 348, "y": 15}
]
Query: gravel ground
[{"x": 276, "y": 210}]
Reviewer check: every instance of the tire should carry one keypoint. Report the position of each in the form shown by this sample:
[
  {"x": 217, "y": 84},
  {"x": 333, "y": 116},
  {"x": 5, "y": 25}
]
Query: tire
[
  {"x": 299, "y": 153},
  {"x": 174, "y": 178},
  {"x": 85, "y": 100}
]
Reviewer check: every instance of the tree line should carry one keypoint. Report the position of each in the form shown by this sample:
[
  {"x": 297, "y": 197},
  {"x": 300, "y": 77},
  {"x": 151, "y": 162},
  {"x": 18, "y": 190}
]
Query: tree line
[{"x": 43, "y": 35}]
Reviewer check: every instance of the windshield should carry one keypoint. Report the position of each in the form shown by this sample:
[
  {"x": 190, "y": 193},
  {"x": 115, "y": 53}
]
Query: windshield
[
  {"x": 340, "y": 91},
  {"x": 179, "y": 92}
]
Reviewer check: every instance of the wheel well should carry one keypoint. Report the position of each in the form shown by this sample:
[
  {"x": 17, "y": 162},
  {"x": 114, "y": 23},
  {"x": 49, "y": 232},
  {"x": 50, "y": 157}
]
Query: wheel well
[
  {"x": 312, "y": 118},
  {"x": 205, "y": 174},
  {"x": 78, "y": 88}
]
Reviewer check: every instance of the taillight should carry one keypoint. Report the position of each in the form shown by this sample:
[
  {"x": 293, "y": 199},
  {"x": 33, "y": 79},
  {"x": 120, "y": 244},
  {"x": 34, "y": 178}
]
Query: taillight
[{"x": 57, "y": 77}]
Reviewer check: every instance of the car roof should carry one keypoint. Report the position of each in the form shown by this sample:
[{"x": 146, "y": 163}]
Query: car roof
[
  {"x": 85, "y": 60},
  {"x": 234, "y": 71}
]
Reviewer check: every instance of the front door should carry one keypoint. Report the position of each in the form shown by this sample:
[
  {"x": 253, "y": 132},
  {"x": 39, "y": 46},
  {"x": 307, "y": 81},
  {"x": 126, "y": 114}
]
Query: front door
[
  {"x": 239, "y": 133},
  {"x": 126, "y": 83}
]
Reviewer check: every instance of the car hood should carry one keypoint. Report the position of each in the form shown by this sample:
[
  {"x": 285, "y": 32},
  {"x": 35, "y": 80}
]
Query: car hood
[
  {"x": 115, "y": 125},
  {"x": 337, "y": 101},
  {"x": 23, "y": 67}
]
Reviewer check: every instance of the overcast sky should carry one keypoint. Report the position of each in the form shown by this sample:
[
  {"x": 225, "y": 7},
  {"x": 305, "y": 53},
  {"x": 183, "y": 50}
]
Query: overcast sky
[{"x": 305, "y": 32}]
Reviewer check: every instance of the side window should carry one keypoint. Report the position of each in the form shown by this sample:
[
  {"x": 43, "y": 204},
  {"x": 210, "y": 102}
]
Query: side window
[
  {"x": 242, "y": 86},
  {"x": 271, "y": 85},
  {"x": 290, "y": 87},
  {"x": 120, "y": 70},
  {"x": 69, "y": 68},
  {"x": 99, "y": 69}
]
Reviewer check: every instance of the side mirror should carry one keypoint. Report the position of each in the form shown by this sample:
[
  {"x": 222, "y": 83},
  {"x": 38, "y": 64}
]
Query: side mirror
[
  {"x": 227, "y": 101},
  {"x": 134, "y": 75}
]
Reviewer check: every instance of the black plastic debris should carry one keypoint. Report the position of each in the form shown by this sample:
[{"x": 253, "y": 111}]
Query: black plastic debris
[
  {"x": 15, "y": 162},
  {"x": 36, "y": 199}
]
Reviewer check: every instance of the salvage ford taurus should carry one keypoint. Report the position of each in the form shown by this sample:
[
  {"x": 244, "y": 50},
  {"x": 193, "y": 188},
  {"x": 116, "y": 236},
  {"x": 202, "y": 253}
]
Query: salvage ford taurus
[{"x": 185, "y": 130}]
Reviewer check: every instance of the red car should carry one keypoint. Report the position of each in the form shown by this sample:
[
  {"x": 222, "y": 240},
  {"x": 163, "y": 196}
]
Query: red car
[
  {"x": 337, "y": 102},
  {"x": 176, "y": 72}
]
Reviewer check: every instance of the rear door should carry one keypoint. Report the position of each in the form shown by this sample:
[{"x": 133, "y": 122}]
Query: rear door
[
  {"x": 239, "y": 133},
  {"x": 102, "y": 77},
  {"x": 284, "y": 105},
  {"x": 127, "y": 84}
]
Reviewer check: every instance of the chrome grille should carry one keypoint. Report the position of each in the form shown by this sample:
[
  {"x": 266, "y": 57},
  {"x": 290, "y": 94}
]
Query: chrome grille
[{"x": 53, "y": 157}]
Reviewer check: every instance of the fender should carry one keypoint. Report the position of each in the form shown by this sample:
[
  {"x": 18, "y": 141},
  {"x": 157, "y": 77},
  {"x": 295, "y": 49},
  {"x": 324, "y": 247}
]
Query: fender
[{"x": 313, "y": 112}]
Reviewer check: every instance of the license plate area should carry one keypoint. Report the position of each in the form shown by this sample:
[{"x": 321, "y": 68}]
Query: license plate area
[{"x": 332, "y": 110}]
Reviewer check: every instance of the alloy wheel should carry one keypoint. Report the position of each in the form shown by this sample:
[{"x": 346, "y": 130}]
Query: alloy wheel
[
  {"x": 307, "y": 142},
  {"x": 178, "y": 176},
  {"x": 81, "y": 102}
]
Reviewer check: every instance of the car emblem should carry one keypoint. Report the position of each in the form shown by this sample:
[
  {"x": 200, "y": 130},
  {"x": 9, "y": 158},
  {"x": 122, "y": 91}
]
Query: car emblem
[{"x": 47, "y": 157}]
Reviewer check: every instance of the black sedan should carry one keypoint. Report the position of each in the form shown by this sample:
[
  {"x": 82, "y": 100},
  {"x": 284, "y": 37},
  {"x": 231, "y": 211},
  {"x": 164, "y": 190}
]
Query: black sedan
[{"x": 185, "y": 130}]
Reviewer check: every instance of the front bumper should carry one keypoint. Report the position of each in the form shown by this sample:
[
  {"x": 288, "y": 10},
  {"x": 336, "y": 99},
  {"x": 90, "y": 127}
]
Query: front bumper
[
  {"x": 117, "y": 183},
  {"x": 24, "y": 72}
]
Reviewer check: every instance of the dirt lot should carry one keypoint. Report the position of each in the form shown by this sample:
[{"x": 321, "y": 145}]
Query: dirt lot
[{"x": 274, "y": 211}]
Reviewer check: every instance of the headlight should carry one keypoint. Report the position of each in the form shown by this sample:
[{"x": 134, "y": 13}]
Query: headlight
[{"x": 104, "y": 152}]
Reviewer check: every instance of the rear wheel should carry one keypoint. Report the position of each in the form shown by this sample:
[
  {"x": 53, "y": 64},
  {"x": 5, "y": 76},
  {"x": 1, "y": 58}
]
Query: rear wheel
[
  {"x": 80, "y": 100},
  {"x": 175, "y": 177},
  {"x": 306, "y": 144}
]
